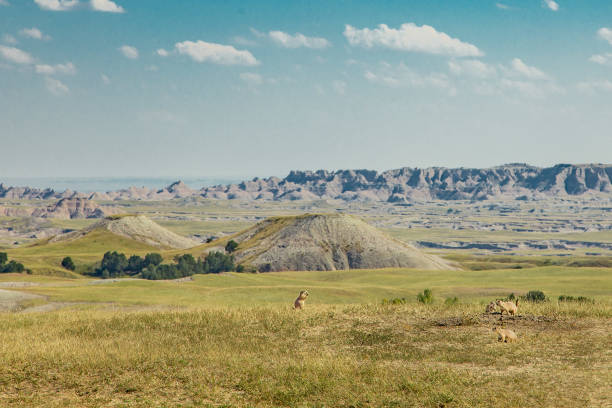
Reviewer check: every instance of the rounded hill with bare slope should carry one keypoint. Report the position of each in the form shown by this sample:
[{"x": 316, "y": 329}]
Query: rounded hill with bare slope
[
  {"x": 327, "y": 242},
  {"x": 136, "y": 227}
]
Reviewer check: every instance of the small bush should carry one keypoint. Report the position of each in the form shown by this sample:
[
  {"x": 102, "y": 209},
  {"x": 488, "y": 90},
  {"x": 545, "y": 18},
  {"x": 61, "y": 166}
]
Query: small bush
[
  {"x": 246, "y": 268},
  {"x": 535, "y": 296},
  {"x": 579, "y": 299},
  {"x": 510, "y": 297},
  {"x": 231, "y": 246},
  {"x": 265, "y": 268},
  {"x": 426, "y": 297},
  {"x": 10, "y": 267},
  {"x": 217, "y": 262},
  {"x": 67, "y": 263},
  {"x": 451, "y": 301},
  {"x": 394, "y": 301}
]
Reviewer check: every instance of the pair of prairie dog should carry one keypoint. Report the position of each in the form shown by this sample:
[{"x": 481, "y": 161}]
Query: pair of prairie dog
[
  {"x": 301, "y": 300},
  {"x": 505, "y": 335},
  {"x": 510, "y": 308}
]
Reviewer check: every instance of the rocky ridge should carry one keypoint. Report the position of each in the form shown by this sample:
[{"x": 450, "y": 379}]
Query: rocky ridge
[{"x": 511, "y": 181}]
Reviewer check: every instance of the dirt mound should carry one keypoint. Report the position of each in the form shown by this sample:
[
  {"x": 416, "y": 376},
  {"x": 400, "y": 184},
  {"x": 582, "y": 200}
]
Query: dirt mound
[
  {"x": 327, "y": 242},
  {"x": 136, "y": 227}
]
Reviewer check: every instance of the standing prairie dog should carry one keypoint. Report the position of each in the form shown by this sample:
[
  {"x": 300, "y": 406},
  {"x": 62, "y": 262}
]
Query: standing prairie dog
[
  {"x": 299, "y": 302},
  {"x": 505, "y": 335},
  {"x": 509, "y": 307}
]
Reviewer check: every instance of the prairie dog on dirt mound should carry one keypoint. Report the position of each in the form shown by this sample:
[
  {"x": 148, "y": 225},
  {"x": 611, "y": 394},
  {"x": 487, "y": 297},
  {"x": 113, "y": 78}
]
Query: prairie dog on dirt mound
[
  {"x": 505, "y": 335},
  {"x": 491, "y": 307},
  {"x": 299, "y": 302},
  {"x": 509, "y": 307}
]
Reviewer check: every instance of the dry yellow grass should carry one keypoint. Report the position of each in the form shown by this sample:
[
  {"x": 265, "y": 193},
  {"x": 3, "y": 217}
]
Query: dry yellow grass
[{"x": 340, "y": 356}]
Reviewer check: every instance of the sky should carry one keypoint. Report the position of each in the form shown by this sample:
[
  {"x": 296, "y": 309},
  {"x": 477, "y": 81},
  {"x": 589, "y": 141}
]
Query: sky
[{"x": 194, "y": 88}]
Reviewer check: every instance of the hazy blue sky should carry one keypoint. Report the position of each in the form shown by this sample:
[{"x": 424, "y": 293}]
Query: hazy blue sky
[{"x": 224, "y": 88}]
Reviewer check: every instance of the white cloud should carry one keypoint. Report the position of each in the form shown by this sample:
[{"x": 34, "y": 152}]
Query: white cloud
[
  {"x": 606, "y": 34},
  {"x": 34, "y": 33},
  {"x": 502, "y": 6},
  {"x": 602, "y": 59},
  {"x": 298, "y": 40},
  {"x": 4, "y": 3},
  {"x": 202, "y": 51},
  {"x": 107, "y": 6},
  {"x": 129, "y": 52},
  {"x": 339, "y": 87},
  {"x": 520, "y": 68},
  {"x": 552, "y": 5},
  {"x": 410, "y": 37},
  {"x": 595, "y": 86},
  {"x": 251, "y": 78},
  {"x": 55, "y": 86},
  {"x": 105, "y": 79},
  {"x": 9, "y": 39},
  {"x": 152, "y": 68},
  {"x": 66, "y": 69},
  {"x": 57, "y": 5},
  {"x": 162, "y": 53},
  {"x": 471, "y": 67},
  {"x": 15, "y": 55}
]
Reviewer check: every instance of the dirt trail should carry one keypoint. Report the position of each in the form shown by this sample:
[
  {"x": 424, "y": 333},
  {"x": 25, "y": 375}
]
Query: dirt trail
[{"x": 10, "y": 300}]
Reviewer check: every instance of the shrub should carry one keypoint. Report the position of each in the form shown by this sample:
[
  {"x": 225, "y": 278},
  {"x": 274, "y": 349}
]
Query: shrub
[
  {"x": 451, "y": 301},
  {"x": 153, "y": 259},
  {"x": 394, "y": 301},
  {"x": 426, "y": 297},
  {"x": 579, "y": 299},
  {"x": 535, "y": 296},
  {"x": 216, "y": 262},
  {"x": 67, "y": 263},
  {"x": 231, "y": 246},
  {"x": 113, "y": 263},
  {"x": 135, "y": 265},
  {"x": 246, "y": 268},
  {"x": 12, "y": 267},
  {"x": 265, "y": 267}
]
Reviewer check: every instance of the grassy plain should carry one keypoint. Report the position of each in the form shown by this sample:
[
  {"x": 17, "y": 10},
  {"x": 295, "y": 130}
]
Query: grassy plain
[
  {"x": 331, "y": 287},
  {"x": 233, "y": 340},
  {"x": 327, "y": 355}
]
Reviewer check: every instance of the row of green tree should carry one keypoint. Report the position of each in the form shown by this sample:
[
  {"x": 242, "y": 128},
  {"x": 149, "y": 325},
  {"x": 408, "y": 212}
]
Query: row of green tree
[
  {"x": 7, "y": 266},
  {"x": 115, "y": 264}
]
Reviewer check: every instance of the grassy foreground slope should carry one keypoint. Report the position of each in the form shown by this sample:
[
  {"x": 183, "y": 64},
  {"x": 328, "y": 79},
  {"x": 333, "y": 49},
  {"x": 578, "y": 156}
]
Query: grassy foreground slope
[
  {"x": 233, "y": 340},
  {"x": 336, "y": 356}
]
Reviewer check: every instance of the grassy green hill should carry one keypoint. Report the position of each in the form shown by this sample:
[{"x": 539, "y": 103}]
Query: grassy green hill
[{"x": 45, "y": 257}]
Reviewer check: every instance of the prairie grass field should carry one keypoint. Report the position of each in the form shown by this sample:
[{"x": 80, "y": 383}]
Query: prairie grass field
[
  {"x": 326, "y": 355},
  {"x": 233, "y": 340}
]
